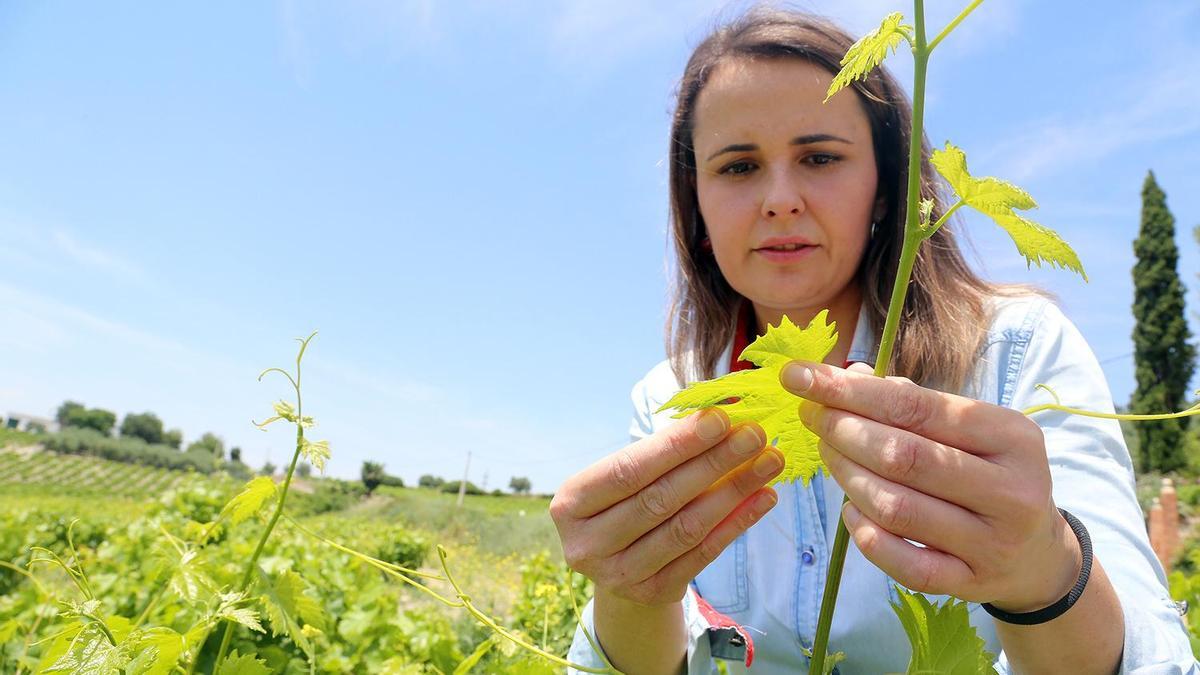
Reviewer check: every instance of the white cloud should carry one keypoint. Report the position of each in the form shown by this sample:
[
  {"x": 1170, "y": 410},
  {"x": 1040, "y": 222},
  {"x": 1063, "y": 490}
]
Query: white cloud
[{"x": 94, "y": 256}]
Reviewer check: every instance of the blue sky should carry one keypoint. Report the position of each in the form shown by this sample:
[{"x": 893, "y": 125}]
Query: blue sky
[{"x": 468, "y": 200}]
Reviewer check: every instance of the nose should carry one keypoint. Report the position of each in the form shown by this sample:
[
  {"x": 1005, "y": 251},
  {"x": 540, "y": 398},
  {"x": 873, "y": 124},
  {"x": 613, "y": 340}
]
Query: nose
[{"x": 783, "y": 196}]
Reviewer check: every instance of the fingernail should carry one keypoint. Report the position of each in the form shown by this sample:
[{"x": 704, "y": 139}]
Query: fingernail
[
  {"x": 797, "y": 377},
  {"x": 745, "y": 441},
  {"x": 711, "y": 426},
  {"x": 766, "y": 501},
  {"x": 770, "y": 462},
  {"x": 850, "y": 515}
]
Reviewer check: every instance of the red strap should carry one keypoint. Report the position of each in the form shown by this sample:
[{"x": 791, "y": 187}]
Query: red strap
[{"x": 719, "y": 620}]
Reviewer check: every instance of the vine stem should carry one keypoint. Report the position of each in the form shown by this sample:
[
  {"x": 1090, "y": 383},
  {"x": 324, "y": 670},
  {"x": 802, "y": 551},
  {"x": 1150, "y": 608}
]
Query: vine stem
[
  {"x": 913, "y": 236},
  {"x": 252, "y": 564}
]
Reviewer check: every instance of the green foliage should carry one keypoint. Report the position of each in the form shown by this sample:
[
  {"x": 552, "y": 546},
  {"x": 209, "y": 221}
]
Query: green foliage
[
  {"x": 209, "y": 444},
  {"x": 173, "y": 438},
  {"x": 87, "y": 441},
  {"x": 759, "y": 396},
  {"x": 430, "y": 481},
  {"x": 452, "y": 487},
  {"x": 145, "y": 426},
  {"x": 520, "y": 485},
  {"x": 91, "y": 418},
  {"x": 941, "y": 636},
  {"x": 372, "y": 475},
  {"x": 66, "y": 410},
  {"x": 866, "y": 54},
  {"x": 1164, "y": 359},
  {"x": 999, "y": 200},
  {"x": 544, "y": 610},
  {"x": 402, "y": 547}
]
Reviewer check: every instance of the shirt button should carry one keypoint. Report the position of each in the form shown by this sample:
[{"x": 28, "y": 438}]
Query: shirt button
[{"x": 807, "y": 557}]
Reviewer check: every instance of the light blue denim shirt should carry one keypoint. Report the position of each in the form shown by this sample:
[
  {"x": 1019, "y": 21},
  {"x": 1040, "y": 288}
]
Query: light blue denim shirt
[{"x": 770, "y": 579}]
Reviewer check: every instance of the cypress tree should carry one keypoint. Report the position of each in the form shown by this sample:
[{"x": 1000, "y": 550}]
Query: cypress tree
[{"x": 1163, "y": 357}]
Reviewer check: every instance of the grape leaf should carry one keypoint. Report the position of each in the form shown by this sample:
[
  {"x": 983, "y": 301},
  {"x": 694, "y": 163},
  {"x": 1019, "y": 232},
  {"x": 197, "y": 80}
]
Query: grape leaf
[
  {"x": 249, "y": 500},
  {"x": 316, "y": 453},
  {"x": 87, "y": 651},
  {"x": 997, "y": 199},
  {"x": 870, "y": 50},
  {"x": 228, "y": 609},
  {"x": 942, "y": 638},
  {"x": 289, "y": 608},
  {"x": 156, "y": 650},
  {"x": 244, "y": 664},
  {"x": 760, "y": 395}
]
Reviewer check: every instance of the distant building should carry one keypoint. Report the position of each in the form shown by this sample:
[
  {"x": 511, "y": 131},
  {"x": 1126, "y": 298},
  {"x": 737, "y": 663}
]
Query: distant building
[{"x": 23, "y": 422}]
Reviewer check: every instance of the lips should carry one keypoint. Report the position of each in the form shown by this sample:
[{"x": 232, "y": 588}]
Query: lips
[{"x": 784, "y": 244}]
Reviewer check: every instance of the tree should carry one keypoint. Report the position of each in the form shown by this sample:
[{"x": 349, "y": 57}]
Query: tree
[
  {"x": 92, "y": 418},
  {"x": 520, "y": 485},
  {"x": 65, "y": 410},
  {"x": 210, "y": 443},
  {"x": 235, "y": 455},
  {"x": 372, "y": 475},
  {"x": 268, "y": 469},
  {"x": 173, "y": 438},
  {"x": 145, "y": 426},
  {"x": 304, "y": 469},
  {"x": 1163, "y": 358},
  {"x": 430, "y": 481}
]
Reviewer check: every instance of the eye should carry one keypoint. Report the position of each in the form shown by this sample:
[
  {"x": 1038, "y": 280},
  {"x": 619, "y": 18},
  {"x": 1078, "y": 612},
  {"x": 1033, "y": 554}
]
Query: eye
[
  {"x": 737, "y": 168},
  {"x": 822, "y": 159}
]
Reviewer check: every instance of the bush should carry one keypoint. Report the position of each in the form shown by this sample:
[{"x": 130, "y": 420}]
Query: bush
[
  {"x": 85, "y": 441},
  {"x": 452, "y": 486},
  {"x": 403, "y": 548}
]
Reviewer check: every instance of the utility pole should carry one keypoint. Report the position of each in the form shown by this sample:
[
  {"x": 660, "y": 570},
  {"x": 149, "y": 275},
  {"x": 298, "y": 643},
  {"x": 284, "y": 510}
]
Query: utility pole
[{"x": 462, "y": 486}]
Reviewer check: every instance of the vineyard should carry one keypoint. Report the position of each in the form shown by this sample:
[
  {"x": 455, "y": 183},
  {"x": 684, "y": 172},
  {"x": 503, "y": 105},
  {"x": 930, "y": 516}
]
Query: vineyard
[{"x": 152, "y": 548}]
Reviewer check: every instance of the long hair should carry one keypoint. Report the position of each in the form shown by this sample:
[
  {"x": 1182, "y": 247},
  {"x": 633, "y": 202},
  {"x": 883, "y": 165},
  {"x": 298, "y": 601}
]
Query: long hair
[{"x": 945, "y": 314}]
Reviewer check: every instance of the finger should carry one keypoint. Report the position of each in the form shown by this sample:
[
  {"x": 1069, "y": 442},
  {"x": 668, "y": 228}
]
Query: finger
[
  {"x": 688, "y": 529},
  {"x": 959, "y": 422},
  {"x": 635, "y": 466},
  {"x": 680, "y": 571},
  {"x": 908, "y": 459},
  {"x": 904, "y": 511},
  {"x": 925, "y": 570},
  {"x": 637, "y": 514}
]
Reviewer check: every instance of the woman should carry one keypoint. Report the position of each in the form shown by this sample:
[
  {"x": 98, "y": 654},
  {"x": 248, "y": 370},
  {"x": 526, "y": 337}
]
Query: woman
[{"x": 782, "y": 204}]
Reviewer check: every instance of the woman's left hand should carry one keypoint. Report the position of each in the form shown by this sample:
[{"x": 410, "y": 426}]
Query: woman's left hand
[{"x": 968, "y": 480}]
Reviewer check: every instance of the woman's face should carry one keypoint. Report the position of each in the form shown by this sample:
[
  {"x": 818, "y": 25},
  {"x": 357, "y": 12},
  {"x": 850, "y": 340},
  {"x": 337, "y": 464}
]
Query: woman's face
[{"x": 776, "y": 166}]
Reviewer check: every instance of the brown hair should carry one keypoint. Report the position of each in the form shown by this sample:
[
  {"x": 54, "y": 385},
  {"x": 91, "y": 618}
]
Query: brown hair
[{"x": 945, "y": 313}]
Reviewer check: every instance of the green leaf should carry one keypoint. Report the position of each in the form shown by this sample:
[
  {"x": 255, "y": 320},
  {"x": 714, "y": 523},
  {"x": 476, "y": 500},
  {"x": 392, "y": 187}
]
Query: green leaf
[
  {"x": 87, "y": 652},
  {"x": 250, "y": 499},
  {"x": 285, "y": 410},
  {"x": 997, "y": 199},
  {"x": 761, "y": 397},
  {"x": 289, "y": 608},
  {"x": 942, "y": 638},
  {"x": 190, "y": 580},
  {"x": 228, "y": 609},
  {"x": 244, "y": 664},
  {"x": 866, "y": 54},
  {"x": 156, "y": 651},
  {"x": 316, "y": 453}
]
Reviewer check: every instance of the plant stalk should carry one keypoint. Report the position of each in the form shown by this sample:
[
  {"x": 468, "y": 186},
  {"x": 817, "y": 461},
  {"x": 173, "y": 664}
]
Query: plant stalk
[
  {"x": 262, "y": 541},
  {"x": 913, "y": 236}
]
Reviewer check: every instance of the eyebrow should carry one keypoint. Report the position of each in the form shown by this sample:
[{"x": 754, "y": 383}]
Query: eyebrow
[{"x": 799, "y": 140}]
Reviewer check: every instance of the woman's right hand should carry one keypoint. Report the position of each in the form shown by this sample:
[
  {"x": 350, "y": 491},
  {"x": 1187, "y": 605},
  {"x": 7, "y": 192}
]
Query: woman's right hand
[{"x": 644, "y": 521}]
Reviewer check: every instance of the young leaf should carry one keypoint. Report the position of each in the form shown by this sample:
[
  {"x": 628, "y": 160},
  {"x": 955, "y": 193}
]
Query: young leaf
[
  {"x": 941, "y": 636},
  {"x": 997, "y": 199},
  {"x": 831, "y": 660},
  {"x": 288, "y": 608},
  {"x": 228, "y": 609},
  {"x": 250, "y": 499},
  {"x": 866, "y": 54},
  {"x": 87, "y": 651},
  {"x": 191, "y": 579},
  {"x": 156, "y": 651},
  {"x": 244, "y": 664},
  {"x": 316, "y": 453},
  {"x": 761, "y": 397}
]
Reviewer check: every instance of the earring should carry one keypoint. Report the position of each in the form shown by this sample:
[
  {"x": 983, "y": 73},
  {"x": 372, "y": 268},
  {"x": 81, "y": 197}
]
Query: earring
[
  {"x": 872, "y": 229},
  {"x": 706, "y": 244}
]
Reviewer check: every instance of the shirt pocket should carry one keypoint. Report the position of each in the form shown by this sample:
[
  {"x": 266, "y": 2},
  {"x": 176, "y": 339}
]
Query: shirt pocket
[{"x": 725, "y": 583}]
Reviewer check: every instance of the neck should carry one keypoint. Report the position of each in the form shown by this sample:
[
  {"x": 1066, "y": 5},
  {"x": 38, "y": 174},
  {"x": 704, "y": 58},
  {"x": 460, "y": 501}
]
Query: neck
[{"x": 843, "y": 310}]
